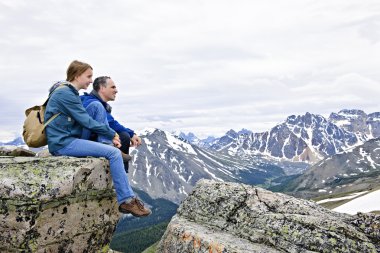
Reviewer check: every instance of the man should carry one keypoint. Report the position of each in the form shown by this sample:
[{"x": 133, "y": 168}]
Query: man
[{"x": 96, "y": 104}]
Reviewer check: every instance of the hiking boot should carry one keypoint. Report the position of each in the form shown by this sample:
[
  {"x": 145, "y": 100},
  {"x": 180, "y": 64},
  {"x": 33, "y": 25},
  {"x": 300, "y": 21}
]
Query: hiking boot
[
  {"x": 126, "y": 157},
  {"x": 135, "y": 207}
]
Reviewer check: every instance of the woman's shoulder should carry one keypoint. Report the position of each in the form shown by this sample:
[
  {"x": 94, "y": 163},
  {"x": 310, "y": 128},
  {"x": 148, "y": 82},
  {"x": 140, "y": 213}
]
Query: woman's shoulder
[{"x": 67, "y": 89}]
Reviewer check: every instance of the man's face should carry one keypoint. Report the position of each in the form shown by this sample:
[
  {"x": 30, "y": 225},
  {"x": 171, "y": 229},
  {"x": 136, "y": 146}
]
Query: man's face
[{"x": 108, "y": 93}]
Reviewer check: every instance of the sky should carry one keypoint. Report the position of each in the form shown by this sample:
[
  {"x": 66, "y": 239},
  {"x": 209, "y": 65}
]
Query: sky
[{"x": 201, "y": 66}]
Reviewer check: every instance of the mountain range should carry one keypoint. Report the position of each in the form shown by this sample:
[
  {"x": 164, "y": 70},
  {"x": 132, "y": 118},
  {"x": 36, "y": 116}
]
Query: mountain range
[
  {"x": 307, "y": 137},
  {"x": 168, "y": 165}
]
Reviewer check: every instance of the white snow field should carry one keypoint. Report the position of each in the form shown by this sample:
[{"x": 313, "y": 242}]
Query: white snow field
[{"x": 366, "y": 203}]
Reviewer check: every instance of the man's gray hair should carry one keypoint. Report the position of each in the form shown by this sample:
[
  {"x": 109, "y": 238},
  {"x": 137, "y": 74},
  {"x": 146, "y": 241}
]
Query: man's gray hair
[{"x": 100, "y": 81}]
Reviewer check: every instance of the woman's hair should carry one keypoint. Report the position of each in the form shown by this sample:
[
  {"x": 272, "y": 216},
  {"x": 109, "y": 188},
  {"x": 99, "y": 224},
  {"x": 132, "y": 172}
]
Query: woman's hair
[{"x": 76, "y": 68}]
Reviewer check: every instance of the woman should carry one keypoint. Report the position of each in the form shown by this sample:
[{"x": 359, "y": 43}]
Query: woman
[{"x": 64, "y": 132}]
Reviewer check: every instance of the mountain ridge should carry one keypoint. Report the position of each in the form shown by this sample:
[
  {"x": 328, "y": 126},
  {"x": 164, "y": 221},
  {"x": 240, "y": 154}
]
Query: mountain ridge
[{"x": 309, "y": 137}]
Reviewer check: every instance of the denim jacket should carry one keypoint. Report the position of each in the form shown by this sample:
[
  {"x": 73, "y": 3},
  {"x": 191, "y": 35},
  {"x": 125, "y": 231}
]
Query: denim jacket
[{"x": 68, "y": 125}]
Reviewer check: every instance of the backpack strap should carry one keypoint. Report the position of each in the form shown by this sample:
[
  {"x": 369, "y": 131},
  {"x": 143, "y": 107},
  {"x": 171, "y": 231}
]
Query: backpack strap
[
  {"x": 55, "y": 115},
  {"x": 51, "y": 119}
]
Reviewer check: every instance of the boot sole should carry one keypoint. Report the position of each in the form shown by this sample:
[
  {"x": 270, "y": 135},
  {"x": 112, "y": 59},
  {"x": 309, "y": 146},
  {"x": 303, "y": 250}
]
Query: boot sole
[{"x": 134, "y": 214}]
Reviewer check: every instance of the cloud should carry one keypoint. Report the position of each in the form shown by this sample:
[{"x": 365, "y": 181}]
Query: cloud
[{"x": 201, "y": 66}]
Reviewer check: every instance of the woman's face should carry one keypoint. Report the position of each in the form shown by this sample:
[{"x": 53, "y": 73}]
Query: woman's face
[{"x": 85, "y": 79}]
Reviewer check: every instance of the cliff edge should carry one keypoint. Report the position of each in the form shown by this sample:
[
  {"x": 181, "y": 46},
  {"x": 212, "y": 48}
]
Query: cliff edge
[{"x": 56, "y": 204}]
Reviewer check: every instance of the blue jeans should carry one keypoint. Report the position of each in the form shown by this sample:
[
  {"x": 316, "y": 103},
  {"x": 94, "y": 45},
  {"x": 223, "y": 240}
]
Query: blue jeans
[{"x": 82, "y": 148}]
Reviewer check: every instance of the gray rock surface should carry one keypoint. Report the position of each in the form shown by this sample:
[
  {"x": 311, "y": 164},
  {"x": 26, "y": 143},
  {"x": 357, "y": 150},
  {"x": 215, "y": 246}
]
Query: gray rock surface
[
  {"x": 231, "y": 217},
  {"x": 56, "y": 204}
]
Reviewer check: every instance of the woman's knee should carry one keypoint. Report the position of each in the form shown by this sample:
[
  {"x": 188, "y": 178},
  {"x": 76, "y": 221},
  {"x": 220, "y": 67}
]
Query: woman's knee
[{"x": 114, "y": 152}]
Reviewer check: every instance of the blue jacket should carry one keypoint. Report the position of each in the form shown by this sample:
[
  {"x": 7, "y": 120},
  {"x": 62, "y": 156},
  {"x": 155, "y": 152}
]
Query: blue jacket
[
  {"x": 114, "y": 124},
  {"x": 68, "y": 125}
]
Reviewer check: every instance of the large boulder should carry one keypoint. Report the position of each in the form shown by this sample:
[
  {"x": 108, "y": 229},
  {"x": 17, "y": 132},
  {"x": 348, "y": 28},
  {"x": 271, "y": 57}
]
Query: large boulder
[
  {"x": 56, "y": 204},
  {"x": 231, "y": 217}
]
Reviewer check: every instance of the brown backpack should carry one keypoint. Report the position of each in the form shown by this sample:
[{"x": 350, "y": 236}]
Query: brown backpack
[{"x": 34, "y": 124}]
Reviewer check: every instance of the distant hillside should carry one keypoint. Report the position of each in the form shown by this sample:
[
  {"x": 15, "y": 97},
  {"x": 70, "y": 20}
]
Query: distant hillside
[{"x": 353, "y": 170}]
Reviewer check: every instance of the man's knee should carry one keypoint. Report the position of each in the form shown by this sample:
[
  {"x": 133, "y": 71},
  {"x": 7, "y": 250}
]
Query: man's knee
[
  {"x": 124, "y": 137},
  {"x": 125, "y": 140}
]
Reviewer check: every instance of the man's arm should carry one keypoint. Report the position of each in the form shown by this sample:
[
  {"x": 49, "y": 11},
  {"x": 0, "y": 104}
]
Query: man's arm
[{"x": 115, "y": 125}]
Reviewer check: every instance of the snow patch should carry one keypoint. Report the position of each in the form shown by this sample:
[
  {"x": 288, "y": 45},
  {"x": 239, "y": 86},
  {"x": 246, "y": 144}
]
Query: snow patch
[
  {"x": 351, "y": 196},
  {"x": 179, "y": 145},
  {"x": 366, "y": 203}
]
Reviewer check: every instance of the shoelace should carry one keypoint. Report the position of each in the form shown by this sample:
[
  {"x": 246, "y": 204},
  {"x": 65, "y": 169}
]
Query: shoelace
[{"x": 139, "y": 203}]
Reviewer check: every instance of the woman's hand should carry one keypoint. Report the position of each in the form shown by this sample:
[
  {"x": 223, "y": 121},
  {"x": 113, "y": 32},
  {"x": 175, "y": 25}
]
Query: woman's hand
[{"x": 116, "y": 141}]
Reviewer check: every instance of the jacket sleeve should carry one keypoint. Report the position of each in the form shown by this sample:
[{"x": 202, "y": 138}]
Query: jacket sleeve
[
  {"x": 71, "y": 105},
  {"x": 115, "y": 125}
]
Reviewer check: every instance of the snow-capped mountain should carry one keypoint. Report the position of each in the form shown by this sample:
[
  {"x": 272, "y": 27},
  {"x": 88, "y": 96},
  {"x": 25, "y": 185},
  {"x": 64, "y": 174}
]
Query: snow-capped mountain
[
  {"x": 358, "y": 122},
  {"x": 167, "y": 166},
  {"x": 306, "y": 137},
  {"x": 190, "y": 137},
  {"x": 16, "y": 142},
  {"x": 353, "y": 121},
  {"x": 355, "y": 169},
  {"x": 373, "y": 123}
]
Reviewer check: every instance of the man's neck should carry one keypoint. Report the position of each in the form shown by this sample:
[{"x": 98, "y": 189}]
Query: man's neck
[
  {"x": 100, "y": 96},
  {"x": 103, "y": 98}
]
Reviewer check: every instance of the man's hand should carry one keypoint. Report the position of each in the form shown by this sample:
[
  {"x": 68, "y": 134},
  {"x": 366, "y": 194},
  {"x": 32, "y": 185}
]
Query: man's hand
[
  {"x": 135, "y": 141},
  {"x": 116, "y": 141}
]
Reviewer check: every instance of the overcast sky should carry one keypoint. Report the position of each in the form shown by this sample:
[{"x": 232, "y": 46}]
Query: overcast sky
[{"x": 204, "y": 66}]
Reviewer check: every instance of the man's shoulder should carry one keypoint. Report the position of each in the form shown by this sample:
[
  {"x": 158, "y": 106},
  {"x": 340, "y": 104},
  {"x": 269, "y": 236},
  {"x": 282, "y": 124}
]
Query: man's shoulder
[{"x": 87, "y": 98}]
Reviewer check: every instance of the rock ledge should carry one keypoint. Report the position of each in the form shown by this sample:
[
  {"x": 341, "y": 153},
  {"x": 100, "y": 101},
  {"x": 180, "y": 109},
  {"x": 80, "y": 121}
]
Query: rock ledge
[{"x": 231, "y": 217}]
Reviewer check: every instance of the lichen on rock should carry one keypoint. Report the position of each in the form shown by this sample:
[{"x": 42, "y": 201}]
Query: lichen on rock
[
  {"x": 264, "y": 221},
  {"x": 56, "y": 203}
]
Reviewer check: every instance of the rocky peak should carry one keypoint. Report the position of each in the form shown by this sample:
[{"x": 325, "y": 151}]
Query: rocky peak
[
  {"x": 373, "y": 123},
  {"x": 353, "y": 121},
  {"x": 190, "y": 137},
  {"x": 352, "y": 112},
  {"x": 244, "y": 132},
  {"x": 231, "y": 217},
  {"x": 373, "y": 116},
  {"x": 231, "y": 133},
  {"x": 306, "y": 121}
]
